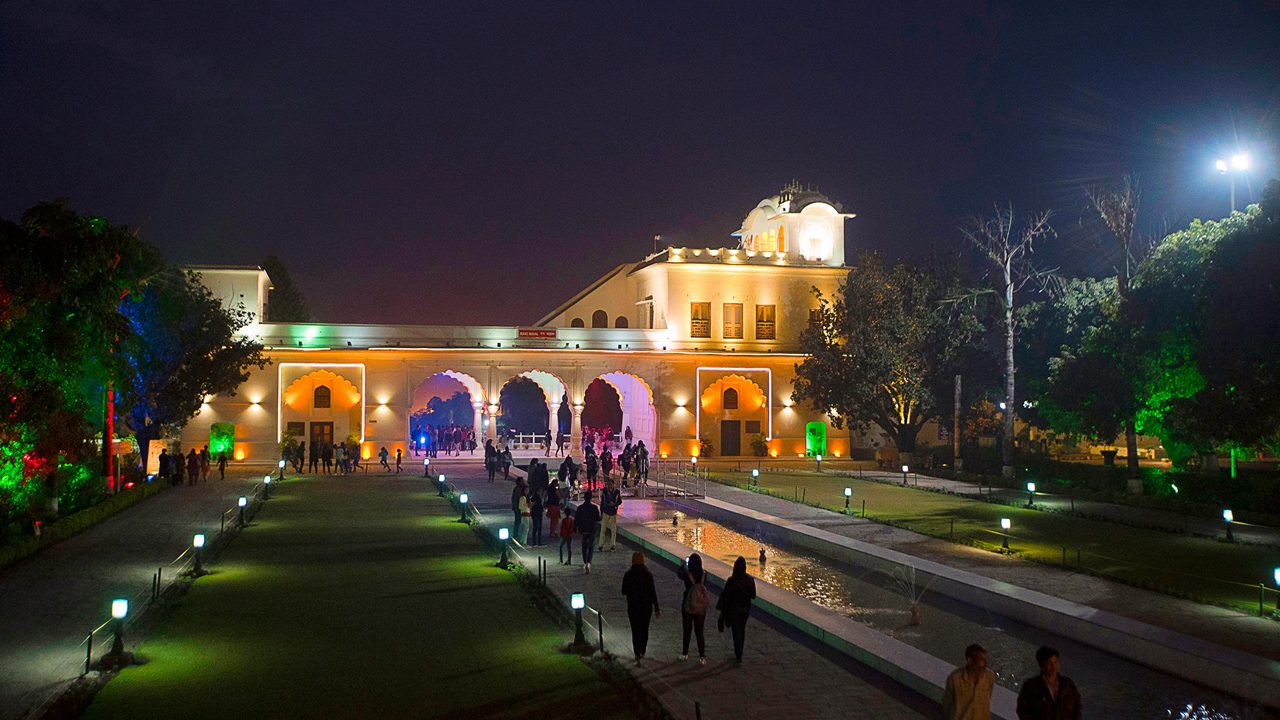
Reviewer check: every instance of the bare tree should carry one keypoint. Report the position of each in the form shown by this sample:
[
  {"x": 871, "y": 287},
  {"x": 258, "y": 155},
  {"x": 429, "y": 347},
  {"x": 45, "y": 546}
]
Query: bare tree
[
  {"x": 1117, "y": 208},
  {"x": 1008, "y": 245}
]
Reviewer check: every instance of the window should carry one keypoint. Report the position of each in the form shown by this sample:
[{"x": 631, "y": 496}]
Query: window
[
  {"x": 321, "y": 398},
  {"x": 297, "y": 429},
  {"x": 577, "y": 322},
  {"x": 733, "y": 320},
  {"x": 599, "y": 319},
  {"x": 766, "y": 328},
  {"x": 730, "y": 399},
  {"x": 700, "y": 320},
  {"x": 815, "y": 317},
  {"x": 621, "y": 322},
  {"x": 752, "y": 427}
]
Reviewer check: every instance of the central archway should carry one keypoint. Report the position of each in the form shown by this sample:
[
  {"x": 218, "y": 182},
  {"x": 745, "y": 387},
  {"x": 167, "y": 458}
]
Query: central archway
[
  {"x": 445, "y": 408},
  {"x": 635, "y": 401}
]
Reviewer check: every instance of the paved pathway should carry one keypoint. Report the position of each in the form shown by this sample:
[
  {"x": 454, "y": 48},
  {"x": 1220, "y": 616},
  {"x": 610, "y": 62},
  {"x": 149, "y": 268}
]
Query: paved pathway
[
  {"x": 784, "y": 675},
  {"x": 53, "y": 599}
]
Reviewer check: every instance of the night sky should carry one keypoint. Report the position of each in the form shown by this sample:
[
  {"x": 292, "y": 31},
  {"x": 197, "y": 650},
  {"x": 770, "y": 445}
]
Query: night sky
[{"x": 480, "y": 162}]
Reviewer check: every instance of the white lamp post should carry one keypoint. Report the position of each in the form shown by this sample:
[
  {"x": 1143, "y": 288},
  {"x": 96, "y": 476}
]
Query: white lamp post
[
  {"x": 504, "y": 535},
  {"x": 1229, "y": 517},
  {"x": 1031, "y": 493},
  {"x": 282, "y": 468},
  {"x": 462, "y": 502},
  {"x": 1005, "y": 524},
  {"x": 242, "y": 504},
  {"x": 755, "y": 476},
  {"x": 578, "y": 601},
  {"x": 266, "y": 487},
  {"x": 440, "y": 480},
  {"x": 426, "y": 467},
  {"x": 119, "y": 609},
  {"x": 904, "y": 474},
  {"x": 848, "y": 495},
  {"x": 197, "y": 551}
]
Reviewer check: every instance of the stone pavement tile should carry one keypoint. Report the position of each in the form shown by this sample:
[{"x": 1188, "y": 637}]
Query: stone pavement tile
[{"x": 54, "y": 598}]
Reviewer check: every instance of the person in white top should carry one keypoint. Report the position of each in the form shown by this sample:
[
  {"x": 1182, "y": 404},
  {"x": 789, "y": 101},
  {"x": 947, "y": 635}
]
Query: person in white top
[{"x": 968, "y": 692}]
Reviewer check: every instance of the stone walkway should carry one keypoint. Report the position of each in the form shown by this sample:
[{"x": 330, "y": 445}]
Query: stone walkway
[
  {"x": 53, "y": 599},
  {"x": 784, "y": 674}
]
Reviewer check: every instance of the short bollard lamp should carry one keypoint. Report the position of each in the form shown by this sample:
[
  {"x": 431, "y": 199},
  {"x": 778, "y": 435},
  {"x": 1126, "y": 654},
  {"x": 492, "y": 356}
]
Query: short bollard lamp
[
  {"x": 197, "y": 551},
  {"x": 904, "y": 474},
  {"x": 242, "y": 503},
  {"x": 1031, "y": 493},
  {"x": 848, "y": 495},
  {"x": 426, "y": 467},
  {"x": 462, "y": 503},
  {"x": 818, "y": 458},
  {"x": 755, "y": 476},
  {"x": 282, "y": 469},
  {"x": 119, "y": 609},
  {"x": 440, "y": 481},
  {"x": 266, "y": 487},
  {"x": 1005, "y": 524},
  {"x": 1276, "y": 575},
  {"x": 1229, "y": 518},
  {"x": 503, "y": 536},
  {"x": 578, "y": 601}
]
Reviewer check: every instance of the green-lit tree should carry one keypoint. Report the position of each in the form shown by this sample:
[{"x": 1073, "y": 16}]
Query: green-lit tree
[{"x": 885, "y": 349}]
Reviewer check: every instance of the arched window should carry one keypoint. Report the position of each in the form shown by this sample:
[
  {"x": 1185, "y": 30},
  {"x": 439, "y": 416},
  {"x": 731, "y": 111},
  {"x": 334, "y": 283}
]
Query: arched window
[
  {"x": 730, "y": 399},
  {"x": 620, "y": 322},
  {"x": 322, "y": 398},
  {"x": 577, "y": 322},
  {"x": 599, "y": 319}
]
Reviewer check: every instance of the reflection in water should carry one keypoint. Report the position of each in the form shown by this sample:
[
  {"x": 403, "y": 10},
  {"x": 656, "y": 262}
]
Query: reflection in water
[{"x": 1112, "y": 686}]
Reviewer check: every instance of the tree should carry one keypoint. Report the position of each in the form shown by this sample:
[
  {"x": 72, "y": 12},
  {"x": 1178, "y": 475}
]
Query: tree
[
  {"x": 183, "y": 346},
  {"x": 285, "y": 302},
  {"x": 1008, "y": 247},
  {"x": 884, "y": 349}
]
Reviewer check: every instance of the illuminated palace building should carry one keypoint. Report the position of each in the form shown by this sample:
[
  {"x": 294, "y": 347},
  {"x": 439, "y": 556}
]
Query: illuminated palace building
[{"x": 685, "y": 345}]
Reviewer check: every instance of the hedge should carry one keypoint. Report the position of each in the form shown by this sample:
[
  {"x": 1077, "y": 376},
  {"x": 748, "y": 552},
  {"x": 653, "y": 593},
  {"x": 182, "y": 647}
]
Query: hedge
[{"x": 75, "y": 523}]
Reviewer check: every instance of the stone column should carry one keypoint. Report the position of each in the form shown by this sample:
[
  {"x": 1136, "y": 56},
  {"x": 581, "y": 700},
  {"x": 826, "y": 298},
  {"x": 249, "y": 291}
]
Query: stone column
[
  {"x": 575, "y": 438},
  {"x": 478, "y": 421},
  {"x": 553, "y": 424},
  {"x": 492, "y": 432}
]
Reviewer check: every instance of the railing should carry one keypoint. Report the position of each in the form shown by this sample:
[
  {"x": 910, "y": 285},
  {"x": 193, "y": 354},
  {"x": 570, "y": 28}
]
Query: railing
[{"x": 700, "y": 328}]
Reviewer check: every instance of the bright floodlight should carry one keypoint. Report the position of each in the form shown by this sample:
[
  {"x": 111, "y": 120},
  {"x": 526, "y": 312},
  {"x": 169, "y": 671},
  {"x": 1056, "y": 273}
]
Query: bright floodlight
[
  {"x": 119, "y": 608},
  {"x": 198, "y": 541},
  {"x": 1005, "y": 523},
  {"x": 848, "y": 492},
  {"x": 243, "y": 501},
  {"x": 463, "y": 498},
  {"x": 1221, "y": 165},
  {"x": 1228, "y": 516},
  {"x": 1240, "y": 162},
  {"x": 504, "y": 534},
  {"x": 1276, "y": 572},
  {"x": 577, "y": 601},
  {"x": 1031, "y": 487}
]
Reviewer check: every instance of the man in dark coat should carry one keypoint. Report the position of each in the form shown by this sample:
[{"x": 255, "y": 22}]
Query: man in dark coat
[
  {"x": 1048, "y": 696},
  {"x": 735, "y": 604},
  {"x": 642, "y": 603},
  {"x": 586, "y": 520}
]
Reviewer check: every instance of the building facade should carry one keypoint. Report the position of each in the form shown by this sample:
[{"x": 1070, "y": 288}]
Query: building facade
[{"x": 699, "y": 346}]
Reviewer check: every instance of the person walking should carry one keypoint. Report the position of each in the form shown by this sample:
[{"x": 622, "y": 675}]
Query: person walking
[
  {"x": 642, "y": 462},
  {"x": 585, "y": 520},
  {"x": 340, "y": 458},
  {"x": 399, "y": 460},
  {"x": 193, "y": 467},
  {"x": 326, "y": 458},
  {"x": 222, "y": 466},
  {"x": 536, "y": 500},
  {"x": 300, "y": 456},
  {"x": 642, "y": 603},
  {"x": 517, "y": 509},
  {"x": 606, "y": 464},
  {"x": 314, "y": 464},
  {"x": 735, "y": 605},
  {"x": 693, "y": 606},
  {"x": 610, "y": 502},
  {"x": 967, "y": 695},
  {"x": 552, "y": 505},
  {"x": 566, "y": 535},
  {"x": 1049, "y": 695},
  {"x": 490, "y": 459},
  {"x": 546, "y": 443},
  {"x": 593, "y": 467},
  {"x": 204, "y": 463},
  {"x": 506, "y": 463}
]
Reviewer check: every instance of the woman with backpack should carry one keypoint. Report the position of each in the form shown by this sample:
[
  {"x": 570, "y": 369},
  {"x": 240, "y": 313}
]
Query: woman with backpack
[
  {"x": 642, "y": 603},
  {"x": 694, "y": 605},
  {"x": 735, "y": 604}
]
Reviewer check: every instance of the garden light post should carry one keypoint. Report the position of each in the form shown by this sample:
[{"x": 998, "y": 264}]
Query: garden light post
[
  {"x": 462, "y": 502},
  {"x": 1005, "y": 524},
  {"x": 1276, "y": 574},
  {"x": 755, "y": 476},
  {"x": 197, "y": 552},
  {"x": 119, "y": 609},
  {"x": 266, "y": 487},
  {"x": 848, "y": 495},
  {"x": 904, "y": 474},
  {"x": 818, "y": 458},
  {"x": 578, "y": 601},
  {"x": 1240, "y": 163},
  {"x": 694, "y": 461},
  {"x": 426, "y": 467},
  {"x": 1229, "y": 518},
  {"x": 242, "y": 503},
  {"x": 1031, "y": 493},
  {"x": 440, "y": 480},
  {"x": 281, "y": 469},
  {"x": 504, "y": 535}
]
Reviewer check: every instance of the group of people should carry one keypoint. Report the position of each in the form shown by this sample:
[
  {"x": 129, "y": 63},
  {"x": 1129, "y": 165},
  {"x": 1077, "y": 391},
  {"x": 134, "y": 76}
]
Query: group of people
[
  {"x": 343, "y": 458},
  {"x": 1047, "y": 696},
  {"x": 430, "y": 440},
  {"x": 194, "y": 467},
  {"x": 632, "y": 463},
  {"x": 538, "y": 497}
]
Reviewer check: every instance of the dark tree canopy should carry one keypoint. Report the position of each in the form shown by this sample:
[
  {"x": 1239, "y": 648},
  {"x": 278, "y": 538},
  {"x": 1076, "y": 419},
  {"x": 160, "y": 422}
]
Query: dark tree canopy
[{"x": 285, "y": 302}]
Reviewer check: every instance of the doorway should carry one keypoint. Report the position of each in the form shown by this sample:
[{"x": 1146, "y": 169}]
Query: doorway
[
  {"x": 321, "y": 435},
  {"x": 730, "y": 437}
]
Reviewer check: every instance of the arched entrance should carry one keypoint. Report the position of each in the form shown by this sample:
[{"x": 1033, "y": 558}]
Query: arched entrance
[
  {"x": 321, "y": 408},
  {"x": 446, "y": 406},
  {"x": 634, "y": 403},
  {"x": 527, "y": 404},
  {"x": 734, "y": 412}
]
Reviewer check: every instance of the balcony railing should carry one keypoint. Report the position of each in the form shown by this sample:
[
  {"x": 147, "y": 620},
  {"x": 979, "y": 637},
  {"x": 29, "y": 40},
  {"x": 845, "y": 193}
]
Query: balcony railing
[
  {"x": 766, "y": 331},
  {"x": 700, "y": 328}
]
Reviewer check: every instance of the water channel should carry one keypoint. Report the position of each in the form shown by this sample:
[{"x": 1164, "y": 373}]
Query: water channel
[{"x": 1111, "y": 686}]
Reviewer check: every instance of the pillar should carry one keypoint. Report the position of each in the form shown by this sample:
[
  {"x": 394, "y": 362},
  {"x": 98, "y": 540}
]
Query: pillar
[
  {"x": 492, "y": 432},
  {"x": 553, "y": 421},
  {"x": 478, "y": 421},
  {"x": 575, "y": 430}
]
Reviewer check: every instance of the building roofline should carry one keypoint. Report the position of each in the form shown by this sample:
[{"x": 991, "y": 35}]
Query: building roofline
[{"x": 581, "y": 294}]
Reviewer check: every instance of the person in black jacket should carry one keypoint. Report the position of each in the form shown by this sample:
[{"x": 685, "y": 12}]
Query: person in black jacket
[
  {"x": 735, "y": 604},
  {"x": 585, "y": 521},
  {"x": 692, "y": 622},
  {"x": 642, "y": 597},
  {"x": 1048, "y": 696}
]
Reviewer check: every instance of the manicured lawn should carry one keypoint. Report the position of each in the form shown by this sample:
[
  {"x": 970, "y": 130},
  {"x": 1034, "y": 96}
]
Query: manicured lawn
[
  {"x": 356, "y": 597},
  {"x": 1200, "y": 568}
]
